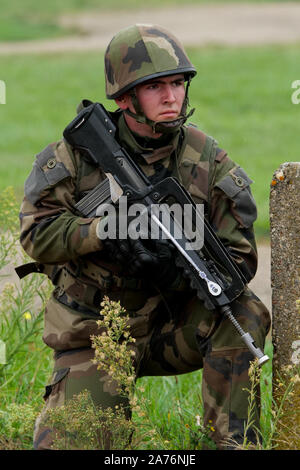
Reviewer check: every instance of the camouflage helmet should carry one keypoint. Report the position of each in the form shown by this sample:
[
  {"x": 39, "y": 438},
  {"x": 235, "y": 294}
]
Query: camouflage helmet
[{"x": 140, "y": 53}]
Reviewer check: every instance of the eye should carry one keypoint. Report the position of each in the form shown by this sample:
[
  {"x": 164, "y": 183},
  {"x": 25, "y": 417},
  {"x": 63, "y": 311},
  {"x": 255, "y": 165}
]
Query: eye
[
  {"x": 179, "y": 83},
  {"x": 152, "y": 86}
]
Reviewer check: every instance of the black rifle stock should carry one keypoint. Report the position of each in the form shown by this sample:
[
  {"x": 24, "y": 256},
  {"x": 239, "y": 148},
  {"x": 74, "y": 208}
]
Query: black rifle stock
[{"x": 212, "y": 272}]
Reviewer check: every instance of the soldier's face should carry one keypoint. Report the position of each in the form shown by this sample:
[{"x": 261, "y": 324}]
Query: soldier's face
[{"x": 161, "y": 100}]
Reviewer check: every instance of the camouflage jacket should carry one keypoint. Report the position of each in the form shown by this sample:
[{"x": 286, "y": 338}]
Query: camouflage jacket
[{"x": 65, "y": 244}]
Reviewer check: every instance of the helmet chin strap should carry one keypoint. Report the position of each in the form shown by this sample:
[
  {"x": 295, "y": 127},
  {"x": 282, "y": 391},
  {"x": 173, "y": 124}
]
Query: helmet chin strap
[{"x": 161, "y": 127}]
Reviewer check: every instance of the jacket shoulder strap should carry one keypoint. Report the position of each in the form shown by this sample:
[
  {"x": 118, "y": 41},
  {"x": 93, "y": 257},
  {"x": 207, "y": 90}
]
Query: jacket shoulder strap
[{"x": 197, "y": 162}]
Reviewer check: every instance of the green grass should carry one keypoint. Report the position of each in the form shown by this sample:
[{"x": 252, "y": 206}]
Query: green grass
[
  {"x": 242, "y": 97},
  {"x": 33, "y": 19}
]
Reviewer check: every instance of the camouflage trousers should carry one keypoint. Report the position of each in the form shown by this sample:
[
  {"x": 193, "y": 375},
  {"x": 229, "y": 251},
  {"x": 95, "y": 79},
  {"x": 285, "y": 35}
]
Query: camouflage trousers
[{"x": 175, "y": 336}]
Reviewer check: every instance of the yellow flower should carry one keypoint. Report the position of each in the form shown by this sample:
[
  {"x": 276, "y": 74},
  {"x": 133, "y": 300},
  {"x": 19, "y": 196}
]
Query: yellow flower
[{"x": 27, "y": 315}]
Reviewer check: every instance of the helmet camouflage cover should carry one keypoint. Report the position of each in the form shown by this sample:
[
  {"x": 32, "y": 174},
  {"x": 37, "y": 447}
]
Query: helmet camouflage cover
[{"x": 140, "y": 53}]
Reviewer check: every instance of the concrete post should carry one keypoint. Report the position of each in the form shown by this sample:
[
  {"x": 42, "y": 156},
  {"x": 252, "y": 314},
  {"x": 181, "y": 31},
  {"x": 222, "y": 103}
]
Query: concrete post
[{"x": 285, "y": 282}]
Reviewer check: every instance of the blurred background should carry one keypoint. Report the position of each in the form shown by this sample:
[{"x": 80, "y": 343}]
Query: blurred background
[{"x": 246, "y": 53}]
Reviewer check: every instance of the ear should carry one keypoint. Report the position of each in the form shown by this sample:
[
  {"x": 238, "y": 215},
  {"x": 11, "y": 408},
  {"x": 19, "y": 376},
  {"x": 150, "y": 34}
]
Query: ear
[{"x": 123, "y": 102}]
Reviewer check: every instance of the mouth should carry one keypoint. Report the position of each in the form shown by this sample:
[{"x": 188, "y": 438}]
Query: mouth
[{"x": 170, "y": 114}]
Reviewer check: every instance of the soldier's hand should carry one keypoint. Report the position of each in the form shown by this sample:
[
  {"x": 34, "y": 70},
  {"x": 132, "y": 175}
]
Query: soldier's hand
[
  {"x": 153, "y": 260},
  {"x": 114, "y": 247}
]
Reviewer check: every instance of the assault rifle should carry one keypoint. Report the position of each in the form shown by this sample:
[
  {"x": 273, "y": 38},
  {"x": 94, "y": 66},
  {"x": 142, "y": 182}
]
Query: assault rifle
[{"x": 212, "y": 272}]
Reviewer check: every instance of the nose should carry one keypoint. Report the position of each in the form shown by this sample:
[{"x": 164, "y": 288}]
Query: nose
[{"x": 169, "y": 95}]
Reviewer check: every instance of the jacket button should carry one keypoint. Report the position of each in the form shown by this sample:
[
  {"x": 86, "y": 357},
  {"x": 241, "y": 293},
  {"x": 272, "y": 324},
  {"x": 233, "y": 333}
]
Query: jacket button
[
  {"x": 239, "y": 181},
  {"x": 51, "y": 163}
]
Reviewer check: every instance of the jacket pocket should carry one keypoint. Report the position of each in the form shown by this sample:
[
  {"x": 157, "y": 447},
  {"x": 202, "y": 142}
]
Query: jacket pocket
[
  {"x": 46, "y": 172},
  {"x": 236, "y": 185}
]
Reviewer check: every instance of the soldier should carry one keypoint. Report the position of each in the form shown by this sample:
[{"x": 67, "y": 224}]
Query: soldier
[{"x": 148, "y": 75}]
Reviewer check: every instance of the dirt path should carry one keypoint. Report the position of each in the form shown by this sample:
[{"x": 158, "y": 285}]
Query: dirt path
[
  {"x": 261, "y": 283},
  {"x": 231, "y": 24}
]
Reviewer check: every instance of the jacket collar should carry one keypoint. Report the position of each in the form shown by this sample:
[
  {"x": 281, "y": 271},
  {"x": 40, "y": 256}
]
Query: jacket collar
[{"x": 148, "y": 154}]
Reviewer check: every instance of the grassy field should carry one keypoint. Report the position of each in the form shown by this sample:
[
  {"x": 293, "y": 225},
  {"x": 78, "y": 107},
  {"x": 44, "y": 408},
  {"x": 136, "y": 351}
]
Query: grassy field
[
  {"x": 32, "y": 19},
  {"x": 242, "y": 97}
]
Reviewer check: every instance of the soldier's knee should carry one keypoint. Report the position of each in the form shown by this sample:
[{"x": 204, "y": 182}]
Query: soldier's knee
[{"x": 254, "y": 313}]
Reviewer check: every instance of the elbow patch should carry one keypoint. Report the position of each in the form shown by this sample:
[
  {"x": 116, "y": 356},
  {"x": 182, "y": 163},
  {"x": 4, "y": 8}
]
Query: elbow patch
[
  {"x": 236, "y": 185},
  {"x": 47, "y": 171}
]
